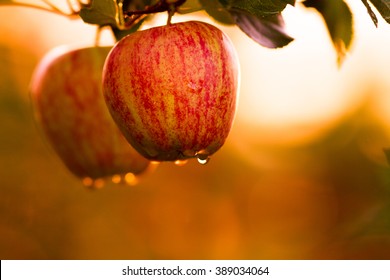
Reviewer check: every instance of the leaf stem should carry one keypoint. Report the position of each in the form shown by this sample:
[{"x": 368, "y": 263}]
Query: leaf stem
[
  {"x": 98, "y": 35},
  {"x": 371, "y": 13},
  {"x": 133, "y": 20}
]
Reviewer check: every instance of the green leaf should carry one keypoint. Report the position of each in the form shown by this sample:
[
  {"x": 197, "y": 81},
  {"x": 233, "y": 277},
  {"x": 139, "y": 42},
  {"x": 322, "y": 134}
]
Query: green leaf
[
  {"x": 387, "y": 154},
  {"x": 119, "y": 34},
  {"x": 257, "y": 8},
  {"x": 267, "y": 31},
  {"x": 217, "y": 11},
  {"x": 338, "y": 19},
  {"x": 190, "y": 5},
  {"x": 100, "y": 12},
  {"x": 383, "y": 7}
]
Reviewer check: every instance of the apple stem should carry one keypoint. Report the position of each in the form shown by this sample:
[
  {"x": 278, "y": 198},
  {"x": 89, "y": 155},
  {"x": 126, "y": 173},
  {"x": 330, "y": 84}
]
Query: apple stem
[{"x": 171, "y": 12}]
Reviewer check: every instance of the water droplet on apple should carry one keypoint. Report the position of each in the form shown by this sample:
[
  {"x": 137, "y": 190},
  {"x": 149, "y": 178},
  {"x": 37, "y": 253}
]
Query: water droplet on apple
[
  {"x": 130, "y": 179},
  {"x": 93, "y": 183},
  {"x": 87, "y": 181},
  {"x": 181, "y": 162},
  {"x": 203, "y": 161},
  {"x": 116, "y": 179},
  {"x": 203, "y": 157},
  {"x": 98, "y": 183}
]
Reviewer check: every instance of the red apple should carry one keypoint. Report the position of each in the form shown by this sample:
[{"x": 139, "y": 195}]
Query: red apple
[
  {"x": 69, "y": 104},
  {"x": 172, "y": 90}
]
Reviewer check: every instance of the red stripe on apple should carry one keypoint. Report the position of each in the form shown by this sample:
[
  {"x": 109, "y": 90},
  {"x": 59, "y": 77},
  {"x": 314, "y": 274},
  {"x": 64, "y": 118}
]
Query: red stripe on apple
[{"x": 173, "y": 90}]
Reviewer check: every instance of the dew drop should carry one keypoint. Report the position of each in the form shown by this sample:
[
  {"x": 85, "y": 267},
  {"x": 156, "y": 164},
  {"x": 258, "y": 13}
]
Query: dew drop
[
  {"x": 130, "y": 179},
  {"x": 203, "y": 161},
  {"x": 116, "y": 179},
  {"x": 203, "y": 157},
  {"x": 181, "y": 162},
  {"x": 93, "y": 184},
  {"x": 98, "y": 183},
  {"x": 87, "y": 181}
]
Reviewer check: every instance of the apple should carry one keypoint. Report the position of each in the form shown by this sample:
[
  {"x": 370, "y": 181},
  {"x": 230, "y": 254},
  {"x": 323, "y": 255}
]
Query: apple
[
  {"x": 67, "y": 95},
  {"x": 172, "y": 90}
]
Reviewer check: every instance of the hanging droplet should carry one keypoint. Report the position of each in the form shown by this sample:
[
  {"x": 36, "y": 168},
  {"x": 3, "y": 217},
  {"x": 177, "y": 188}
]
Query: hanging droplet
[
  {"x": 98, "y": 183},
  {"x": 203, "y": 157},
  {"x": 93, "y": 183},
  {"x": 203, "y": 160},
  {"x": 116, "y": 179},
  {"x": 87, "y": 181},
  {"x": 130, "y": 179},
  {"x": 181, "y": 162}
]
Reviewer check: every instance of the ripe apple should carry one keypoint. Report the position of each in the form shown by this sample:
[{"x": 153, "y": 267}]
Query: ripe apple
[
  {"x": 69, "y": 104},
  {"x": 172, "y": 90}
]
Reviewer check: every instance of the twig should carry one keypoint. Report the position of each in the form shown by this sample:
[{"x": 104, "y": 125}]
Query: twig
[
  {"x": 161, "y": 6},
  {"x": 52, "y": 8}
]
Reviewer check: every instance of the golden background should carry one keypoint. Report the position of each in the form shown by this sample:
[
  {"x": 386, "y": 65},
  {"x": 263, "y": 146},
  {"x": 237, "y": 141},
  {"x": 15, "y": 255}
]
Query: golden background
[{"x": 302, "y": 175}]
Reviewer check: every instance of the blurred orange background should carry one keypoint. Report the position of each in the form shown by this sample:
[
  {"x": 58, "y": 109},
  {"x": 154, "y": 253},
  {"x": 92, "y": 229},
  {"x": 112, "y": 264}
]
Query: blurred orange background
[{"x": 302, "y": 175}]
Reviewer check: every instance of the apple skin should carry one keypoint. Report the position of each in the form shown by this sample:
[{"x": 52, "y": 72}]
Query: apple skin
[
  {"x": 172, "y": 90},
  {"x": 69, "y": 105}
]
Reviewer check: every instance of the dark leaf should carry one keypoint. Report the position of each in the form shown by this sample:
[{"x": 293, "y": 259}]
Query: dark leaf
[
  {"x": 100, "y": 12},
  {"x": 217, "y": 11},
  {"x": 190, "y": 5},
  {"x": 338, "y": 19},
  {"x": 259, "y": 8},
  {"x": 136, "y": 4},
  {"x": 119, "y": 34},
  {"x": 387, "y": 154},
  {"x": 383, "y": 7},
  {"x": 267, "y": 31},
  {"x": 371, "y": 12}
]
